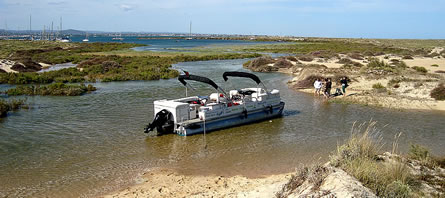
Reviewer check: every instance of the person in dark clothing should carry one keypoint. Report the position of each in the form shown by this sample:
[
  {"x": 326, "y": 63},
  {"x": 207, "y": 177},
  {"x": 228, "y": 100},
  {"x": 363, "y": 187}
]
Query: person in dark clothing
[
  {"x": 344, "y": 84},
  {"x": 327, "y": 91}
]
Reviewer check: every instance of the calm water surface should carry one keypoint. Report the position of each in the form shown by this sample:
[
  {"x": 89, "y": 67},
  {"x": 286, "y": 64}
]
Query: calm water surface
[{"x": 91, "y": 144}]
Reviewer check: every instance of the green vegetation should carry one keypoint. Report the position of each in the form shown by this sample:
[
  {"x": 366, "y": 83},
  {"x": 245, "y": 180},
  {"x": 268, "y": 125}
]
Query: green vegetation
[
  {"x": 11, "y": 105},
  {"x": 438, "y": 93},
  {"x": 55, "y": 89},
  {"x": 434, "y": 65},
  {"x": 422, "y": 154},
  {"x": 93, "y": 66},
  {"x": 378, "y": 86},
  {"x": 358, "y": 157},
  {"x": 420, "y": 69}
]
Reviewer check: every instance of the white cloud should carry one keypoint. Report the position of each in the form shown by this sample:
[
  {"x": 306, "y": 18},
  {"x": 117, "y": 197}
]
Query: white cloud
[{"x": 126, "y": 7}]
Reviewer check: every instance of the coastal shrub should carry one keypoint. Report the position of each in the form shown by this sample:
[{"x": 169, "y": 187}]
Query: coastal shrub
[
  {"x": 434, "y": 65},
  {"x": 356, "y": 56},
  {"x": 376, "y": 63},
  {"x": 401, "y": 64},
  {"x": 440, "y": 71},
  {"x": 308, "y": 82},
  {"x": 325, "y": 54},
  {"x": 291, "y": 58},
  {"x": 358, "y": 157},
  {"x": 345, "y": 61},
  {"x": 260, "y": 61},
  {"x": 378, "y": 86},
  {"x": 380, "y": 65},
  {"x": 306, "y": 58},
  {"x": 438, "y": 92},
  {"x": 11, "y": 105},
  {"x": 420, "y": 69},
  {"x": 394, "y": 61},
  {"x": 283, "y": 63},
  {"x": 407, "y": 57}
]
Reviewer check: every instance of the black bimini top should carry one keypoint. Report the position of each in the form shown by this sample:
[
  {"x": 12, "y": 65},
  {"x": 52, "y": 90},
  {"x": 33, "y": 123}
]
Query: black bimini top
[
  {"x": 183, "y": 78},
  {"x": 242, "y": 74}
]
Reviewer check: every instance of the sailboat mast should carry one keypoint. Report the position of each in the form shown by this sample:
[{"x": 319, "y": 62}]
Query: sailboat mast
[
  {"x": 30, "y": 34},
  {"x": 61, "y": 29},
  {"x": 190, "y": 35},
  {"x": 52, "y": 28}
]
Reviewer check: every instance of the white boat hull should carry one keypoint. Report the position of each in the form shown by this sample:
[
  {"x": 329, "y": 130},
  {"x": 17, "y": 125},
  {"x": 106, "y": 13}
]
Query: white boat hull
[{"x": 231, "y": 121}]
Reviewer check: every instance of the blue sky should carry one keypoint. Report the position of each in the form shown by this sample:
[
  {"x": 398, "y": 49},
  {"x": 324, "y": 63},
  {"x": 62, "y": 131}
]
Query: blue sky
[{"x": 318, "y": 18}]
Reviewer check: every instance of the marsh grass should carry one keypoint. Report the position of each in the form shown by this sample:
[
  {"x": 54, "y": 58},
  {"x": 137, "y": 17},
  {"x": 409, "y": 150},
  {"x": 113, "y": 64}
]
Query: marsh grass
[
  {"x": 11, "y": 105},
  {"x": 358, "y": 157},
  {"x": 55, "y": 89},
  {"x": 420, "y": 69}
]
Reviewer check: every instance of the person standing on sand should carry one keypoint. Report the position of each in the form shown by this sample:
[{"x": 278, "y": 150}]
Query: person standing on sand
[
  {"x": 344, "y": 84},
  {"x": 317, "y": 85},
  {"x": 327, "y": 91}
]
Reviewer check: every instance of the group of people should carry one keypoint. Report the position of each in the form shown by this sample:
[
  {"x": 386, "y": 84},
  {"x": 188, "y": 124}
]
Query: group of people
[{"x": 325, "y": 85}]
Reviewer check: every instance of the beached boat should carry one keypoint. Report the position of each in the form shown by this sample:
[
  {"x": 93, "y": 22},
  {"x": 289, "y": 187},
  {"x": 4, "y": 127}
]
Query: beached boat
[{"x": 201, "y": 114}]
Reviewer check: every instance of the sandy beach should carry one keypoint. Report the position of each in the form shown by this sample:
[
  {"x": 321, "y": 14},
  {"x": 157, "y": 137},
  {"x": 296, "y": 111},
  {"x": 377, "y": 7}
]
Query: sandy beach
[
  {"x": 413, "y": 94},
  {"x": 168, "y": 183}
]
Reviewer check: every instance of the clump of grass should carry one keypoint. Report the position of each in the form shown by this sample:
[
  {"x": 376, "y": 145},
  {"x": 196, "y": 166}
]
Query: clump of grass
[
  {"x": 345, "y": 61},
  {"x": 438, "y": 93},
  {"x": 434, "y": 65},
  {"x": 314, "y": 175},
  {"x": 257, "y": 62},
  {"x": 291, "y": 58},
  {"x": 420, "y": 69},
  {"x": 11, "y": 105},
  {"x": 378, "y": 86},
  {"x": 306, "y": 58},
  {"x": 440, "y": 71},
  {"x": 407, "y": 57},
  {"x": 355, "y": 56},
  {"x": 422, "y": 154},
  {"x": 376, "y": 63},
  {"x": 401, "y": 64},
  {"x": 308, "y": 82},
  {"x": 358, "y": 158}
]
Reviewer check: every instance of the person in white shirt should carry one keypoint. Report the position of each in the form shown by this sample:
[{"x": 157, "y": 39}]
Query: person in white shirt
[{"x": 317, "y": 85}]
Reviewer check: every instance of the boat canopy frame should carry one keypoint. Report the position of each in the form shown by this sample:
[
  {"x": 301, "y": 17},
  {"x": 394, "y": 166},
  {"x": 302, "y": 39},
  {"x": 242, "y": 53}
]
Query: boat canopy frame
[
  {"x": 183, "y": 78},
  {"x": 244, "y": 75}
]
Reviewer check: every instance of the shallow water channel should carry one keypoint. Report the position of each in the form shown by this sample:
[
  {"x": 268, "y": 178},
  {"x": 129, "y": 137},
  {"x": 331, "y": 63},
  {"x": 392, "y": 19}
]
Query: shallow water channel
[{"x": 91, "y": 144}]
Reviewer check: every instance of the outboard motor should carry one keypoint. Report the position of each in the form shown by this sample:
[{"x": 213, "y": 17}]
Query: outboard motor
[{"x": 163, "y": 123}]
